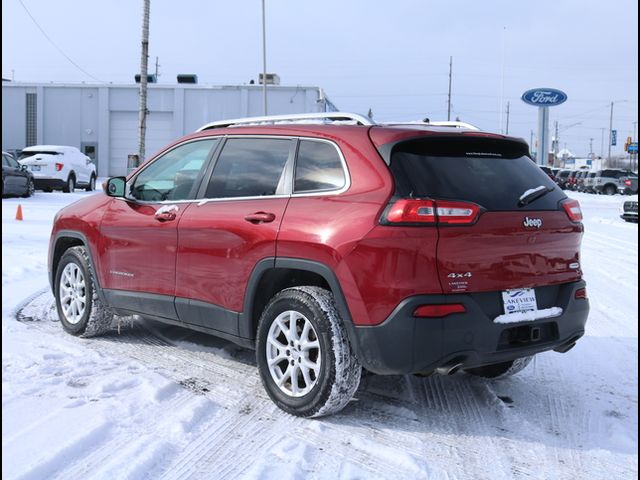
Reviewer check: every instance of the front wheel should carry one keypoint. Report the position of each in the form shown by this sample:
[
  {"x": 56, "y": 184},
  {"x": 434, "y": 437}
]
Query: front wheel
[
  {"x": 304, "y": 357},
  {"x": 501, "y": 370},
  {"x": 80, "y": 310}
]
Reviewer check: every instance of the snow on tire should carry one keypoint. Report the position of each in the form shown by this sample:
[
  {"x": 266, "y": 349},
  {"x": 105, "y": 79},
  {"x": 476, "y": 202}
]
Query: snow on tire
[
  {"x": 81, "y": 311},
  {"x": 501, "y": 370},
  {"x": 303, "y": 353}
]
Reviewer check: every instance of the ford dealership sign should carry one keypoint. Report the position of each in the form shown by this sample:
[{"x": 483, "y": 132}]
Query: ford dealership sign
[{"x": 544, "y": 97}]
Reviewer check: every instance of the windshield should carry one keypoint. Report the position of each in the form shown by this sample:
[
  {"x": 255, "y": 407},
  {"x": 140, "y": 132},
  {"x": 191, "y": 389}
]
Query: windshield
[{"x": 24, "y": 155}]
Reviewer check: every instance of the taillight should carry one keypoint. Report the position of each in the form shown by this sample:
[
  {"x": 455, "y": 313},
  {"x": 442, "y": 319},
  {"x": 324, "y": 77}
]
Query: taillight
[
  {"x": 581, "y": 294},
  {"x": 406, "y": 211},
  {"x": 573, "y": 210},
  {"x": 627, "y": 182},
  {"x": 438, "y": 311},
  {"x": 59, "y": 166}
]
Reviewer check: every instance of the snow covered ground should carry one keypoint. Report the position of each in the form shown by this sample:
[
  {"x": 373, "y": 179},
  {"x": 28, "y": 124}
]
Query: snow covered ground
[{"x": 162, "y": 402}]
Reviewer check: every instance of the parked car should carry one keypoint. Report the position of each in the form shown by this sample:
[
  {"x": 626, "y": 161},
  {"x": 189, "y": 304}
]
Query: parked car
[
  {"x": 562, "y": 179},
  {"x": 608, "y": 181},
  {"x": 589, "y": 182},
  {"x": 572, "y": 180},
  {"x": 629, "y": 210},
  {"x": 580, "y": 180},
  {"x": 548, "y": 171},
  {"x": 57, "y": 167},
  {"x": 329, "y": 248},
  {"x": 16, "y": 179},
  {"x": 629, "y": 185}
]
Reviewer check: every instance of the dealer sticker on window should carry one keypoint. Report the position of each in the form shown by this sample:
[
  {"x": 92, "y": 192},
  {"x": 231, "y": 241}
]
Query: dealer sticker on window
[{"x": 520, "y": 300}]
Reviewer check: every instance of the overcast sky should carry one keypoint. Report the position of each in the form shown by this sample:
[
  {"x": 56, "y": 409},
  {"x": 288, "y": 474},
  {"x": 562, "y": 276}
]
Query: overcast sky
[{"x": 390, "y": 56}]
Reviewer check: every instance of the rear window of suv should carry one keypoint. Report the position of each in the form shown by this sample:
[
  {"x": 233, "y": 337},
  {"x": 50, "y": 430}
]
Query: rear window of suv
[{"x": 491, "y": 173}]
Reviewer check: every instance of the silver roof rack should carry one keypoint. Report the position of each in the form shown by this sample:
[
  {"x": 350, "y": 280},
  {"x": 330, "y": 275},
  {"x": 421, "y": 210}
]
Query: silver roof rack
[
  {"x": 300, "y": 118},
  {"x": 464, "y": 125}
]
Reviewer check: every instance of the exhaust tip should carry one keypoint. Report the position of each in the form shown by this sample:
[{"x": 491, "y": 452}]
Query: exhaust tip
[{"x": 451, "y": 367}]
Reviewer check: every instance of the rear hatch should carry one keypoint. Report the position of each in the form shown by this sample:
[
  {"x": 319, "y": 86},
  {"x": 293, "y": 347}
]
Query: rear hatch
[
  {"x": 502, "y": 222},
  {"x": 42, "y": 163}
]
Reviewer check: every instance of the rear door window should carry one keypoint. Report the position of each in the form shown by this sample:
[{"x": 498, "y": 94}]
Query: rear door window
[
  {"x": 318, "y": 167},
  {"x": 249, "y": 167},
  {"x": 493, "y": 174}
]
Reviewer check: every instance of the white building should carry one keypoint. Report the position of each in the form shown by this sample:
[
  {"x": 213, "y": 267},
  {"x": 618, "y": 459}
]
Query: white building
[{"x": 102, "y": 119}]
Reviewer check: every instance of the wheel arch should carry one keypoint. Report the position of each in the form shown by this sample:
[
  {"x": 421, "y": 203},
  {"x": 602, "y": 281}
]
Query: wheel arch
[
  {"x": 64, "y": 240},
  {"x": 272, "y": 275}
]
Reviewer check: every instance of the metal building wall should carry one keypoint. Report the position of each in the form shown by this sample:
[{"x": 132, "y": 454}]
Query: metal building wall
[{"x": 105, "y": 116}]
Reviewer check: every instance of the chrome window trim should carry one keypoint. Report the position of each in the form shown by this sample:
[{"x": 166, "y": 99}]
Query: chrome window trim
[{"x": 204, "y": 201}]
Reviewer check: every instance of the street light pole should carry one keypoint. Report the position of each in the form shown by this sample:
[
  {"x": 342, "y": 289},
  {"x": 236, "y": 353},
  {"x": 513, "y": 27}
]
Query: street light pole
[
  {"x": 610, "y": 133},
  {"x": 264, "y": 58}
]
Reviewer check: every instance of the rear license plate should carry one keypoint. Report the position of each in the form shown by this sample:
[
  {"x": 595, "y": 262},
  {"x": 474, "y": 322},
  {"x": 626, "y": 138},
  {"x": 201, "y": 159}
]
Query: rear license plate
[
  {"x": 35, "y": 168},
  {"x": 519, "y": 300}
]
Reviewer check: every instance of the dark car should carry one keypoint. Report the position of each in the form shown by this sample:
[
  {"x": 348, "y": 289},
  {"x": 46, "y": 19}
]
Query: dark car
[
  {"x": 628, "y": 185},
  {"x": 330, "y": 248},
  {"x": 580, "y": 180},
  {"x": 562, "y": 179},
  {"x": 548, "y": 171},
  {"x": 16, "y": 179}
]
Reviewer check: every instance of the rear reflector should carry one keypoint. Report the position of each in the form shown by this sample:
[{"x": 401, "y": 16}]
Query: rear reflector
[
  {"x": 431, "y": 211},
  {"x": 438, "y": 311},
  {"x": 581, "y": 293},
  {"x": 573, "y": 210},
  {"x": 59, "y": 166}
]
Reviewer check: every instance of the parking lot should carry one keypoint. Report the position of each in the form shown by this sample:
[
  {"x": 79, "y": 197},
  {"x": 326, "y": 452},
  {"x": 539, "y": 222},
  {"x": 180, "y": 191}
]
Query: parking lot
[{"x": 154, "y": 401}]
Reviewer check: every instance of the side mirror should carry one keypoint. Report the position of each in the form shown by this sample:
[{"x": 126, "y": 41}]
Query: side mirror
[{"x": 115, "y": 186}]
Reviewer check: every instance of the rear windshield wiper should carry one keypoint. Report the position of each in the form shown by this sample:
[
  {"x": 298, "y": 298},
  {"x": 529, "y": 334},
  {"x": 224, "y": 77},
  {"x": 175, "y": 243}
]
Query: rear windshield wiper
[{"x": 533, "y": 194}]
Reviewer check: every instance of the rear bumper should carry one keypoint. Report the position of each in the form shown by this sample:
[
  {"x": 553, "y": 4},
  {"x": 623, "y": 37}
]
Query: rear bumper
[
  {"x": 631, "y": 217},
  {"x": 406, "y": 344},
  {"x": 49, "y": 183}
]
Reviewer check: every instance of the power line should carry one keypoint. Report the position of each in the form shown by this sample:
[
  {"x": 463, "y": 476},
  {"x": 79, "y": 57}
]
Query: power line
[{"x": 56, "y": 46}]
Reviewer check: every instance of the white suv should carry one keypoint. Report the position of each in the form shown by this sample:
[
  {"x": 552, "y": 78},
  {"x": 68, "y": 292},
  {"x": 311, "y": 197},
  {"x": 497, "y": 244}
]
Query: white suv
[{"x": 59, "y": 167}]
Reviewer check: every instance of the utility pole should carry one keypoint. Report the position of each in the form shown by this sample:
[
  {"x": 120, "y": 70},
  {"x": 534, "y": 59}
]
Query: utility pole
[
  {"x": 556, "y": 144},
  {"x": 602, "y": 142},
  {"x": 144, "y": 59},
  {"x": 591, "y": 148},
  {"x": 264, "y": 58},
  {"x": 157, "y": 65},
  {"x": 634, "y": 155},
  {"x": 531, "y": 140},
  {"x": 507, "y": 132},
  {"x": 610, "y": 133},
  {"x": 449, "y": 97}
]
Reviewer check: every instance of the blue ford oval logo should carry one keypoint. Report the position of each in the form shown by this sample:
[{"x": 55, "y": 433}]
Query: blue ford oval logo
[{"x": 544, "y": 97}]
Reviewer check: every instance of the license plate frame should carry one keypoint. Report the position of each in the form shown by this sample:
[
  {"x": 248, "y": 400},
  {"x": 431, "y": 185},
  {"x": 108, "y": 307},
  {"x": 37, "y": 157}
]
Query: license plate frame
[
  {"x": 35, "y": 168},
  {"x": 519, "y": 300}
]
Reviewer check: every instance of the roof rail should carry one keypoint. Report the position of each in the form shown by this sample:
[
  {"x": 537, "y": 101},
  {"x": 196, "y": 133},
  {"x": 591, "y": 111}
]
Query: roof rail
[
  {"x": 327, "y": 116},
  {"x": 456, "y": 124}
]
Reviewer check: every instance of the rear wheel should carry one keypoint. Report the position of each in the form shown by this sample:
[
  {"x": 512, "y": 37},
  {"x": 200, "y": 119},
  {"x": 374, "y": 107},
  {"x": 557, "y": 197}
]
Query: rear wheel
[
  {"x": 71, "y": 185},
  {"x": 610, "y": 190},
  {"x": 92, "y": 184},
  {"x": 31, "y": 188},
  {"x": 80, "y": 310},
  {"x": 501, "y": 370},
  {"x": 304, "y": 357}
]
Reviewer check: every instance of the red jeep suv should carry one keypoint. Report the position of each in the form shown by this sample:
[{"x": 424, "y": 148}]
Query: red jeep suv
[{"x": 333, "y": 247}]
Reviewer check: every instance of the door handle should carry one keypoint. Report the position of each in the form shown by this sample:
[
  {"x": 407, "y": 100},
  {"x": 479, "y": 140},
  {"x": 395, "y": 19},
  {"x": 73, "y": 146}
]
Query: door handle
[
  {"x": 166, "y": 213},
  {"x": 260, "y": 217}
]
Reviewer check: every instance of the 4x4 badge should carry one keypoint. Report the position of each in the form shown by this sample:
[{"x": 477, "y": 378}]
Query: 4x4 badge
[{"x": 532, "y": 222}]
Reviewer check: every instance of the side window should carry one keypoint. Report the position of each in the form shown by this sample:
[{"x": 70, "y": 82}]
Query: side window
[
  {"x": 172, "y": 176},
  {"x": 318, "y": 167},
  {"x": 249, "y": 167}
]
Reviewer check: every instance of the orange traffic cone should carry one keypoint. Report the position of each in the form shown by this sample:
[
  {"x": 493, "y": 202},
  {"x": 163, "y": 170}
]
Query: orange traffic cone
[{"x": 19, "y": 213}]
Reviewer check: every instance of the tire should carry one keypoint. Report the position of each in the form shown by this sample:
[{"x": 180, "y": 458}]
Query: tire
[
  {"x": 74, "y": 278},
  {"x": 609, "y": 190},
  {"x": 92, "y": 184},
  {"x": 71, "y": 184},
  {"x": 319, "y": 391},
  {"x": 31, "y": 188},
  {"x": 501, "y": 370}
]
